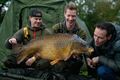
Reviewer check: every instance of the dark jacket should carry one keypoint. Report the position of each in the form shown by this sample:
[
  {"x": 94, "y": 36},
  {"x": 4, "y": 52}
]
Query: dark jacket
[
  {"x": 24, "y": 35},
  {"x": 109, "y": 53}
]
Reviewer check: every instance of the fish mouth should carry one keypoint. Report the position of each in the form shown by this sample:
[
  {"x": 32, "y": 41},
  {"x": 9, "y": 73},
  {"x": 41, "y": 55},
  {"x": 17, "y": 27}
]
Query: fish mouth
[{"x": 90, "y": 50}]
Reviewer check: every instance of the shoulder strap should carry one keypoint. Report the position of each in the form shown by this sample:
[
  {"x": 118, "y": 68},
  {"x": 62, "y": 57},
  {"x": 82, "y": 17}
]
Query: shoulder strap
[
  {"x": 61, "y": 27},
  {"x": 60, "y": 24},
  {"x": 26, "y": 32}
]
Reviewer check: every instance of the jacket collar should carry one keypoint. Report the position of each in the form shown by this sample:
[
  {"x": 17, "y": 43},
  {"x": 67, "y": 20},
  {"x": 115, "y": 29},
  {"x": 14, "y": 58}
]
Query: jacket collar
[
  {"x": 75, "y": 29},
  {"x": 42, "y": 27}
]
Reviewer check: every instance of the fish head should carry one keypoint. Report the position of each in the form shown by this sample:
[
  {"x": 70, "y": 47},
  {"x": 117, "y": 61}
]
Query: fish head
[
  {"x": 80, "y": 46},
  {"x": 80, "y": 49}
]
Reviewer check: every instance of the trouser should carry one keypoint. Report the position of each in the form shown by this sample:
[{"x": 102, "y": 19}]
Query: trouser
[
  {"x": 106, "y": 73},
  {"x": 11, "y": 62},
  {"x": 103, "y": 72}
]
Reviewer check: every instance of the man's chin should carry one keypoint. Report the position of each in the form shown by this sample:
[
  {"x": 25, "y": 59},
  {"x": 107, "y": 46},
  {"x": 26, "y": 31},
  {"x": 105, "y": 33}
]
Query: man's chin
[
  {"x": 36, "y": 26},
  {"x": 71, "y": 23},
  {"x": 97, "y": 45}
]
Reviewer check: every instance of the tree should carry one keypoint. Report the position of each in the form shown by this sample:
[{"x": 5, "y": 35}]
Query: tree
[{"x": 93, "y": 11}]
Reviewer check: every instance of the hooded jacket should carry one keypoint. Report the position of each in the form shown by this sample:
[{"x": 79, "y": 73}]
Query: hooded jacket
[{"x": 109, "y": 53}]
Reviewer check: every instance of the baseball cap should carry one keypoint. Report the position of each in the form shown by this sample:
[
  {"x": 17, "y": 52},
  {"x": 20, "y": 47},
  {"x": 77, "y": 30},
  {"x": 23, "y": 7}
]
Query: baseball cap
[{"x": 35, "y": 13}]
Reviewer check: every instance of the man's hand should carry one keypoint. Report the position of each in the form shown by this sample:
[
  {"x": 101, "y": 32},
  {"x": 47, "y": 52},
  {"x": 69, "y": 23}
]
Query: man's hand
[
  {"x": 92, "y": 62},
  {"x": 12, "y": 41},
  {"x": 75, "y": 57},
  {"x": 89, "y": 62},
  {"x": 95, "y": 60},
  {"x": 30, "y": 61}
]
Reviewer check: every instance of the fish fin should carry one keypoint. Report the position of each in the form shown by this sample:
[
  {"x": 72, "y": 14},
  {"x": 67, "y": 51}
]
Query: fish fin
[
  {"x": 20, "y": 59},
  {"x": 68, "y": 57},
  {"x": 90, "y": 50},
  {"x": 54, "y": 61}
]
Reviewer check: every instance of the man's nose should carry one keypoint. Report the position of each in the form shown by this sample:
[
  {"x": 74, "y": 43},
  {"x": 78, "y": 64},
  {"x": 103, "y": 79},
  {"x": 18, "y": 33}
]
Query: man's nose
[
  {"x": 70, "y": 18},
  {"x": 97, "y": 40},
  {"x": 38, "y": 20}
]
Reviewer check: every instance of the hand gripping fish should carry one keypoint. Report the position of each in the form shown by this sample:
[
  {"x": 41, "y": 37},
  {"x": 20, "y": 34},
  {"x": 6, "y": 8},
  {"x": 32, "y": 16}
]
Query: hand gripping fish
[{"x": 55, "y": 47}]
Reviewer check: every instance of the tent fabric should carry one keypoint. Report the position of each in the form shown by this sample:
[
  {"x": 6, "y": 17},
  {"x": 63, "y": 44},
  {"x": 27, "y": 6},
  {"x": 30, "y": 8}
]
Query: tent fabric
[{"x": 17, "y": 16}]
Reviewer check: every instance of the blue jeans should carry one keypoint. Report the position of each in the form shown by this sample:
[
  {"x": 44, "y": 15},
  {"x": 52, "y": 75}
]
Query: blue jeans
[{"x": 105, "y": 73}]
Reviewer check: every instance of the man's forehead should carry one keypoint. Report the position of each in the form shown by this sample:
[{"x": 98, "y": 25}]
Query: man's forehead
[
  {"x": 37, "y": 17},
  {"x": 99, "y": 31}
]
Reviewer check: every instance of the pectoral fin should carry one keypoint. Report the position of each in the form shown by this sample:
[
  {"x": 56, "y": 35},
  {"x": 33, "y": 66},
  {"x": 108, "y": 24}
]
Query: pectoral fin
[
  {"x": 69, "y": 55},
  {"x": 20, "y": 59},
  {"x": 54, "y": 61},
  {"x": 67, "y": 58}
]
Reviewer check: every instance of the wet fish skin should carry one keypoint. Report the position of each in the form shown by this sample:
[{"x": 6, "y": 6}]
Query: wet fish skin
[{"x": 55, "y": 47}]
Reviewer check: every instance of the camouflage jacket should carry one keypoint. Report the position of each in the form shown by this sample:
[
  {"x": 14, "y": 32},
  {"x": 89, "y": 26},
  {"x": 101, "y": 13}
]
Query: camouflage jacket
[
  {"x": 72, "y": 63},
  {"x": 61, "y": 28}
]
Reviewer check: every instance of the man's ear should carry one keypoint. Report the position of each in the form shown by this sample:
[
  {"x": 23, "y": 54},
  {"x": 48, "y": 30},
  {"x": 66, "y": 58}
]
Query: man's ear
[
  {"x": 29, "y": 17},
  {"x": 109, "y": 37}
]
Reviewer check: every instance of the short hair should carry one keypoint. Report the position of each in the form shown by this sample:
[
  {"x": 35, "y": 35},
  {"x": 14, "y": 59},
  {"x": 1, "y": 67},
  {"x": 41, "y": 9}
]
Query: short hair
[
  {"x": 35, "y": 12},
  {"x": 71, "y": 5},
  {"x": 109, "y": 27}
]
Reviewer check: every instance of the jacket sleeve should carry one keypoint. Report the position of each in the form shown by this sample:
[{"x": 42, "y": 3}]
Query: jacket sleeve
[
  {"x": 19, "y": 37},
  {"x": 48, "y": 31},
  {"x": 71, "y": 66},
  {"x": 115, "y": 62},
  {"x": 7, "y": 44},
  {"x": 56, "y": 28},
  {"x": 82, "y": 34},
  {"x": 42, "y": 64}
]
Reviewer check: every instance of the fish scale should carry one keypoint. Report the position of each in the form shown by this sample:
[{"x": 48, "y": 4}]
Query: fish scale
[{"x": 55, "y": 47}]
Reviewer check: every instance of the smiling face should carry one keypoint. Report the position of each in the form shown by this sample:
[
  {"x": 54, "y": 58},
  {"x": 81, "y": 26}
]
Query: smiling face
[
  {"x": 100, "y": 36},
  {"x": 35, "y": 21},
  {"x": 70, "y": 17}
]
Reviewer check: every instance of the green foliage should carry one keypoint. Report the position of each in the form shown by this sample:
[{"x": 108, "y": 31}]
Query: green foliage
[
  {"x": 3, "y": 1},
  {"x": 96, "y": 11}
]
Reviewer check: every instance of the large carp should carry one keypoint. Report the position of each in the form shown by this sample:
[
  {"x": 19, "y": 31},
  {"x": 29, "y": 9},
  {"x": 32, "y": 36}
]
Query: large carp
[{"x": 55, "y": 47}]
